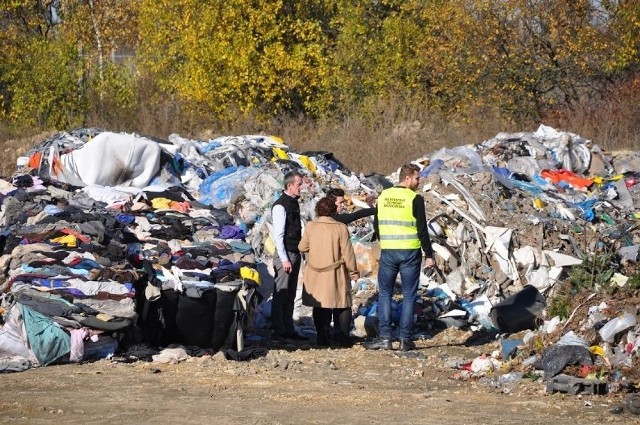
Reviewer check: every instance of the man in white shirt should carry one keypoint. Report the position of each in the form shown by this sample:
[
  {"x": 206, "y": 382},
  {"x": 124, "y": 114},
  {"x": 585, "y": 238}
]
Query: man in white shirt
[{"x": 286, "y": 234}]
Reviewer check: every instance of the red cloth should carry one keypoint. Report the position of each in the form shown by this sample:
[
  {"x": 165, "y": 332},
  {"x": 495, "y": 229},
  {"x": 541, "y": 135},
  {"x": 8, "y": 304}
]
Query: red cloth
[{"x": 78, "y": 235}]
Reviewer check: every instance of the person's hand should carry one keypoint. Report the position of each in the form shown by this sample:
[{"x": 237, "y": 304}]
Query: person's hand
[
  {"x": 370, "y": 200},
  {"x": 287, "y": 266},
  {"x": 429, "y": 262}
]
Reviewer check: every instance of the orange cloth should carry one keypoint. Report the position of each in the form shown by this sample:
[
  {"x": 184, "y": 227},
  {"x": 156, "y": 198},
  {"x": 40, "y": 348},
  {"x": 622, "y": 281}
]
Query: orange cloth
[
  {"x": 567, "y": 176},
  {"x": 180, "y": 206},
  {"x": 35, "y": 159}
]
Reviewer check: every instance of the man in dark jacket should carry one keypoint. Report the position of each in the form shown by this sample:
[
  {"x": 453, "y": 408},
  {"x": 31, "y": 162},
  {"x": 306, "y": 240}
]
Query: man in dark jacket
[{"x": 286, "y": 234}]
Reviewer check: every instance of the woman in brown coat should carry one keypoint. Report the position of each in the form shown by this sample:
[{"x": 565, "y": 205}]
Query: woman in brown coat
[{"x": 330, "y": 267}]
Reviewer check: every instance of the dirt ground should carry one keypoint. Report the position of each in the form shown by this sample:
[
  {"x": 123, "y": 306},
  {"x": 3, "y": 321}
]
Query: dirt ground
[{"x": 295, "y": 383}]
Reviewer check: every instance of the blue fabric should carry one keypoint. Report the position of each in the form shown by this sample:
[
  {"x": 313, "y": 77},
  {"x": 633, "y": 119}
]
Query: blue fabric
[
  {"x": 85, "y": 264},
  {"x": 435, "y": 166},
  {"x": 228, "y": 265},
  {"x": 125, "y": 218},
  {"x": 51, "y": 283},
  {"x": 53, "y": 210},
  {"x": 229, "y": 231},
  {"x": 241, "y": 247},
  {"x": 406, "y": 262},
  {"x": 47, "y": 340}
]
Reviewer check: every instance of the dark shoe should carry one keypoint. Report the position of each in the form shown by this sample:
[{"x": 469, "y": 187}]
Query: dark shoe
[
  {"x": 276, "y": 337},
  {"x": 379, "y": 344},
  {"x": 343, "y": 341},
  {"x": 407, "y": 345},
  {"x": 295, "y": 336},
  {"x": 322, "y": 341}
]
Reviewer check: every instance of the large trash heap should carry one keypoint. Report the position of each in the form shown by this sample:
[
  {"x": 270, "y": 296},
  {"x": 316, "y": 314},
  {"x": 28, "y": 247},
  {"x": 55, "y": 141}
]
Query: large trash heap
[{"x": 116, "y": 245}]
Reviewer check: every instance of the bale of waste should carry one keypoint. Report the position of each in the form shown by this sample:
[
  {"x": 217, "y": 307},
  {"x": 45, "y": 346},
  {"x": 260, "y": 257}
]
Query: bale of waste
[{"x": 519, "y": 311}]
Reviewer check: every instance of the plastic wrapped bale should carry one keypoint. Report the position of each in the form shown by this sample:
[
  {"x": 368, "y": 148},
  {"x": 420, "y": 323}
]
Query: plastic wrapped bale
[
  {"x": 222, "y": 191},
  {"x": 196, "y": 314},
  {"x": 235, "y": 308}
]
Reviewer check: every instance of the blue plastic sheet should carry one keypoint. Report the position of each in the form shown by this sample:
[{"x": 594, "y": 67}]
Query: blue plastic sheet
[{"x": 219, "y": 192}]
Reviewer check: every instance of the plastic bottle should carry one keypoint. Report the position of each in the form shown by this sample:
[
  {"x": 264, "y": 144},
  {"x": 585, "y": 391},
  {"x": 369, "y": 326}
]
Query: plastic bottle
[{"x": 509, "y": 377}]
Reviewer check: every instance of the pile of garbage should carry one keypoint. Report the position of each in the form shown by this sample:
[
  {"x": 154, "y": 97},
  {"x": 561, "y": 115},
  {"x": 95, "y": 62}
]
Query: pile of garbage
[
  {"x": 108, "y": 239},
  {"x": 114, "y": 244},
  {"x": 520, "y": 222}
]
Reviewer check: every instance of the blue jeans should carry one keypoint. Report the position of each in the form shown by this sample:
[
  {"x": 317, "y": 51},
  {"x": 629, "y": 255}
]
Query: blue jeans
[{"x": 406, "y": 262}]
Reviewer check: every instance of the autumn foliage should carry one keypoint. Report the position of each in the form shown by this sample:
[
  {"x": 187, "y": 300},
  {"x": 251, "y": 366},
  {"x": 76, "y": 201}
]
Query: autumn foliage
[{"x": 67, "y": 63}]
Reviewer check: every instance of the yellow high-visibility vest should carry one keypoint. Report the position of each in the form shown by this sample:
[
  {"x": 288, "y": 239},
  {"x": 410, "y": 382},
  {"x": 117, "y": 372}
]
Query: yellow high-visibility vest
[{"x": 396, "y": 223}]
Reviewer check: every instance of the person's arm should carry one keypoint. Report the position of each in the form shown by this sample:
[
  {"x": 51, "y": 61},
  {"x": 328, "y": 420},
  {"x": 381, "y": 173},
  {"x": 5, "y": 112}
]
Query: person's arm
[
  {"x": 375, "y": 221},
  {"x": 421, "y": 223},
  {"x": 279, "y": 218},
  {"x": 347, "y": 218}
]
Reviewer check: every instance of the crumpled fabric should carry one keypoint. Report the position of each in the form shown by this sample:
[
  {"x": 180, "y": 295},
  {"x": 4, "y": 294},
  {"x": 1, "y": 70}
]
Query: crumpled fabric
[
  {"x": 171, "y": 355},
  {"x": 161, "y": 203},
  {"x": 231, "y": 232},
  {"x": 53, "y": 210},
  {"x": 251, "y": 274},
  {"x": 14, "y": 364},
  {"x": 246, "y": 354},
  {"x": 125, "y": 218},
  {"x": 180, "y": 206},
  {"x": 47, "y": 340},
  {"x": 68, "y": 240},
  {"x": 77, "y": 344}
]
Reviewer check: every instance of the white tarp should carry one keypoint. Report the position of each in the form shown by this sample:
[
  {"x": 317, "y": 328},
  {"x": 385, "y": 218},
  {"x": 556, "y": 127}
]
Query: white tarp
[{"x": 109, "y": 159}]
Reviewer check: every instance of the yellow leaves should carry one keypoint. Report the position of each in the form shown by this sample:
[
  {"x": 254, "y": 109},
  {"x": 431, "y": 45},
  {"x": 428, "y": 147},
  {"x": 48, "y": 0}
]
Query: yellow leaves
[
  {"x": 235, "y": 53},
  {"x": 309, "y": 55}
]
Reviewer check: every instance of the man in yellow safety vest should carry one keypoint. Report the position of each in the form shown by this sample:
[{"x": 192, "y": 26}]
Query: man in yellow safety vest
[{"x": 401, "y": 224}]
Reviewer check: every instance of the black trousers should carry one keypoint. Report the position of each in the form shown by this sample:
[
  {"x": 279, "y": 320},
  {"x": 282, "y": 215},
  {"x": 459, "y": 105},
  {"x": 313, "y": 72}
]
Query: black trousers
[{"x": 322, "y": 321}]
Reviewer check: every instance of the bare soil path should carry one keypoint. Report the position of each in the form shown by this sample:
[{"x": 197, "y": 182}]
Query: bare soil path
[{"x": 293, "y": 384}]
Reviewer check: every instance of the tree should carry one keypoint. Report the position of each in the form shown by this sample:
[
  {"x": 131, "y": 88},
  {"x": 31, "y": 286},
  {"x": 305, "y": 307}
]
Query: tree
[
  {"x": 40, "y": 69},
  {"x": 255, "y": 56}
]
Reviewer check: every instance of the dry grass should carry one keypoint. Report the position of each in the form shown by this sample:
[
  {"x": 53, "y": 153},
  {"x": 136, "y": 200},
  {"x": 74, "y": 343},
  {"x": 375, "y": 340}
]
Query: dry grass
[
  {"x": 16, "y": 147},
  {"x": 378, "y": 138}
]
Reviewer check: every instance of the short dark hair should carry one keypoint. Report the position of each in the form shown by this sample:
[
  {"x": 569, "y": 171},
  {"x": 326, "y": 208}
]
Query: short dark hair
[
  {"x": 407, "y": 170},
  {"x": 326, "y": 207},
  {"x": 290, "y": 177},
  {"x": 335, "y": 192}
]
